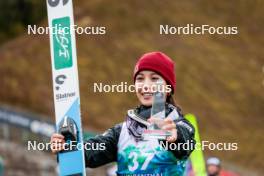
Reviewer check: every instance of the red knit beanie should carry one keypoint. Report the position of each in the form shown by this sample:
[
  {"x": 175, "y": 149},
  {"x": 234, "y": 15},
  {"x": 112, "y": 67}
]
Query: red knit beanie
[{"x": 159, "y": 63}]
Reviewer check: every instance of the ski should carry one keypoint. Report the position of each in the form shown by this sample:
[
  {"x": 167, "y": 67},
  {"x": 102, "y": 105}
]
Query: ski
[{"x": 66, "y": 86}]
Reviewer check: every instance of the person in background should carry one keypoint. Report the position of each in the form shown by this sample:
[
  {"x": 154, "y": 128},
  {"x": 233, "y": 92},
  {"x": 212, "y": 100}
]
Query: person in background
[{"x": 213, "y": 166}]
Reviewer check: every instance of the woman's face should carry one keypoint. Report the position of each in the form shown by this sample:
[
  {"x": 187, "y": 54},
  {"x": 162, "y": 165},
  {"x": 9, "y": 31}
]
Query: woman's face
[{"x": 144, "y": 82}]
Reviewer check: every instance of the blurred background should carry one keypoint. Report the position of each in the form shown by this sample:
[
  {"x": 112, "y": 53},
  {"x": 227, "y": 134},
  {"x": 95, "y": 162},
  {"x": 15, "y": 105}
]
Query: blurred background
[{"x": 220, "y": 78}]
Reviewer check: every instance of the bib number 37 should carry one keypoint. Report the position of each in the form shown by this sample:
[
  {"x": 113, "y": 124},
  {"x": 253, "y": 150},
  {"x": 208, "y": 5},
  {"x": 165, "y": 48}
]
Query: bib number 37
[{"x": 135, "y": 165}]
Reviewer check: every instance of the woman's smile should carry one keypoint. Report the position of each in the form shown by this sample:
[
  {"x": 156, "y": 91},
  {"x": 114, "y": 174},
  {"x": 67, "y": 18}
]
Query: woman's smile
[{"x": 146, "y": 82}]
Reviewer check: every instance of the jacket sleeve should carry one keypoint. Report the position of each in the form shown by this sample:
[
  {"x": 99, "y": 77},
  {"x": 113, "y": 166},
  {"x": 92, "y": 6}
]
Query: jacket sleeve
[
  {"x": 98, "y": 156},
  {"x": 185, "y": 134}
]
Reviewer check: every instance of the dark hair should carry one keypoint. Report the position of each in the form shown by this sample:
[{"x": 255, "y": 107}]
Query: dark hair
[{"x": 170, "y": 99}]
